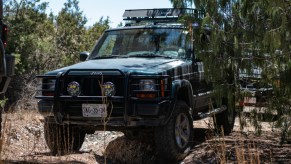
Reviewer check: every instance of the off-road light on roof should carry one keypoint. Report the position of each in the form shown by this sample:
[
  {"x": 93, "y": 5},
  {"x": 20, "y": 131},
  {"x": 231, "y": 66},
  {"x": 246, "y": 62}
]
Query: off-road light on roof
[{"x": 162, "y": 14}]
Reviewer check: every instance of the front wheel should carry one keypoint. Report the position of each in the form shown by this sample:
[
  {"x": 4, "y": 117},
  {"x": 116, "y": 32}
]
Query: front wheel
[{"x": 174, "y": 140}]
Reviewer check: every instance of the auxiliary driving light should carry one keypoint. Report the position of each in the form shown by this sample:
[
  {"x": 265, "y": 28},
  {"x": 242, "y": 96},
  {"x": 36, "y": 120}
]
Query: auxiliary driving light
[
  {"x": 108, "y": 89},
  {"x": 74, "y": 88}
]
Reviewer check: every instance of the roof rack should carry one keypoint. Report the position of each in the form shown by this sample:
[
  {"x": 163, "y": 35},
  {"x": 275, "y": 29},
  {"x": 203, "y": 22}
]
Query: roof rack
[{"x": 161, "y": 14}]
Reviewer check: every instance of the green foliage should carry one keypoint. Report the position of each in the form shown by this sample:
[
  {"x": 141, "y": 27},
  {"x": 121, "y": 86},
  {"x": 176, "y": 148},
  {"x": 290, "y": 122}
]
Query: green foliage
[
  {"x": 26, "y": 21},
  {"x": 44, "y": 42},
  {"x": 93, "y": 33},
  {"x": 70, "y": 32},
  {"x": 245, "y": 34},
  {"x": 2, "y": 103},
  {"x": 181, "y": 3}
]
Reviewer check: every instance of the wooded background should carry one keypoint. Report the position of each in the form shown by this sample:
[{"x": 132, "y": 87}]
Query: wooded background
[{"x": 244, "y": 34}]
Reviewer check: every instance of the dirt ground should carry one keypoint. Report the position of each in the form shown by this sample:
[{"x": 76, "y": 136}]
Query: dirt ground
[{"x": 23, "y": 142}]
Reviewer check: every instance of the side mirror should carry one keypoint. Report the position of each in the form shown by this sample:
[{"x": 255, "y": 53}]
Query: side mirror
[{"x": 84, "y": 55}]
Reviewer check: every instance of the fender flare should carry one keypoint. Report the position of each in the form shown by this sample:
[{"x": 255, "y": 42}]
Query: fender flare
[
  {"x": 182, "y": 86},
  {"x": 179, "y": 87}
]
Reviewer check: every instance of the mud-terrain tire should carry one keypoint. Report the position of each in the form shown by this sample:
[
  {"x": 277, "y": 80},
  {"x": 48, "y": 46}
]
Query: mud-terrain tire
[
  {"x": 224, "y": 121},
  {"x": 174, "y": 140},
  {"x": 62, "y": 139}
]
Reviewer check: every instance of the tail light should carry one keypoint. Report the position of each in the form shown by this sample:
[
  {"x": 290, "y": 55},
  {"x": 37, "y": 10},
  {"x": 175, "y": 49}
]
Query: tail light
[{"x": 4, "y": 35}]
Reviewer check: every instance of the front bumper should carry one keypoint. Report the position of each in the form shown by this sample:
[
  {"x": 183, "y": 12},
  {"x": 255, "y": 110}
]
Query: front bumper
[{"x": 140, "y": 114}]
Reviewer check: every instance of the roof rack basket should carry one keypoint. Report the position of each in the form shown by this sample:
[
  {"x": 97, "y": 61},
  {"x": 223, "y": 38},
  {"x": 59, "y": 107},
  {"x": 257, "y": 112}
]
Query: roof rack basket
[{"x": 161, "y": 14}]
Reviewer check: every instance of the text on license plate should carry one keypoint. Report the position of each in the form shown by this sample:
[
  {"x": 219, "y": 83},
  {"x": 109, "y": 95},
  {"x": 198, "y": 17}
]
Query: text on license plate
[
  {"x": 250, "y": 100},
  {"x": 94, "y": 110}
]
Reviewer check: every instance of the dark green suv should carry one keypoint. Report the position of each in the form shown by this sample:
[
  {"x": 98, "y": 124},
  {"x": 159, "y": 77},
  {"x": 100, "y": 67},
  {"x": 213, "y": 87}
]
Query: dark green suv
[{"x": 143, "y": 80}]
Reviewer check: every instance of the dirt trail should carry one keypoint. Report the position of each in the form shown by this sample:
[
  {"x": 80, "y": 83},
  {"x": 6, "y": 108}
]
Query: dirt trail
[{"x": 24, "y": 143}]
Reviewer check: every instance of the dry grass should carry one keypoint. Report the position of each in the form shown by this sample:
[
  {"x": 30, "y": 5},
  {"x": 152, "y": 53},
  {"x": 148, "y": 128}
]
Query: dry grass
[
  {"x": 23, "y": 141},
  {"x": 241, "y": 146},
  {"x": 11, "y": 133},
  {"x": 23, "y": 129},
  {"x": 241, "y": 152}
]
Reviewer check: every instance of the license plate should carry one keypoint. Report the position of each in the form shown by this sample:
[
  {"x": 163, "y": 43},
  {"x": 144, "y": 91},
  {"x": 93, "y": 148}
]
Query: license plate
[
  {"x": 250, "y": 100},
  {"x": 94, "y": 110}
]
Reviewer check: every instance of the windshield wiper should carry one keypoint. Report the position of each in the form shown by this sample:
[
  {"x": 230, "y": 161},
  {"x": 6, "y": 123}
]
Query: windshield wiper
[
  {"x": 107, "y": 57},
  {"x": 150, "y": 55},
  {"x": 163, "y": 56}
]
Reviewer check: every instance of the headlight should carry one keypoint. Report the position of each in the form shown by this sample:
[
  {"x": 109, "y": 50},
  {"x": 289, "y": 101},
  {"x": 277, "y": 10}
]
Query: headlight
[
  {"x": 147, "y": 85},
  {"x": 73, "y": 88},
  {"x": 108, "y": 89},
  {"x": 50, "y": 84},
  {"x": 48, "y": 87}
]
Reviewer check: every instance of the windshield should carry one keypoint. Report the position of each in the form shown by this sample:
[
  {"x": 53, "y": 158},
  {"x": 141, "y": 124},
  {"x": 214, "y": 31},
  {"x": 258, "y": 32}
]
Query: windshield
[{"x": 165, "y": 42}]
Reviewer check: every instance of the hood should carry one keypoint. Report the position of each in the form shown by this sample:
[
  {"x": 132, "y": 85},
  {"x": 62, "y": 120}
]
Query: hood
[{"x": 144, "y": 65}]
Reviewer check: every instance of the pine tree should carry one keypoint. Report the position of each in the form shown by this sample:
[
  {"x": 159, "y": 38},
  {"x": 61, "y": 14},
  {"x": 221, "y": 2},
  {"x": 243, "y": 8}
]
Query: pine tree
[
  {"x": 29, "y": 34},
  {"x": 70, "y": 26},
  {"x": 247, "y": 34}
]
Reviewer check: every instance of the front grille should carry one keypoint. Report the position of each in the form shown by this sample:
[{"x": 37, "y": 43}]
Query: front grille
[{"x": 91, "y": 86}]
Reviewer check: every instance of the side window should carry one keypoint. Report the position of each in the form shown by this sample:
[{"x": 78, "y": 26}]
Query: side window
[{"x": 108, "y": 45}]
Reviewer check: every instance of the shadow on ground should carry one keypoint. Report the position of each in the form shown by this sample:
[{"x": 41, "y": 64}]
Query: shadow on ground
[
  {"x": 206, "y": 149},
  {"x": 122, "y": 150}
]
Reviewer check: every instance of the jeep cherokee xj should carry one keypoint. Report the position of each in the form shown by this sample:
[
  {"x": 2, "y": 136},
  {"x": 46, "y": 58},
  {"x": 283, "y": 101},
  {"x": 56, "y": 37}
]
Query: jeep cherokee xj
[{"x": 143, "y": 80}]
